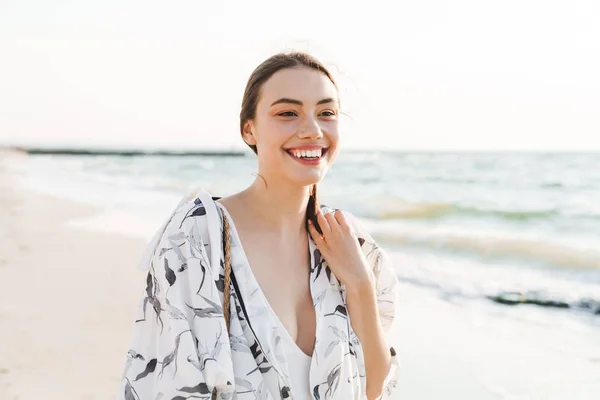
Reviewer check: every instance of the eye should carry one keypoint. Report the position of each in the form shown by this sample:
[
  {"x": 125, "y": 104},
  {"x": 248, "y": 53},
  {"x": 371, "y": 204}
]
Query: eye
[
  {"x": 328, "y": 113},
  {"x": 288, "y": 114}
]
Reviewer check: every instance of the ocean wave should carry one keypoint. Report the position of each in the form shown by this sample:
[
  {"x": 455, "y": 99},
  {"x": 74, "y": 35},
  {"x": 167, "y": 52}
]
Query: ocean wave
[
  {"x": 552, "y": 185},
  {"x": 492, "y": 247},
  {"x": 504, "y": 283},
  {"x": 394, "y": 208}
]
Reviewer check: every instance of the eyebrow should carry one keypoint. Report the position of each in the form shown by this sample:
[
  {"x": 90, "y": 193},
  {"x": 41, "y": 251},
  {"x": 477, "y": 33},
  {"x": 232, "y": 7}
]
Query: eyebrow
[{"x": 298, "y": 102}]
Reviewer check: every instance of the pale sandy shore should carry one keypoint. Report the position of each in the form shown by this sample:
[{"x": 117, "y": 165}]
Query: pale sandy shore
[{"x": 68, "y": 299}]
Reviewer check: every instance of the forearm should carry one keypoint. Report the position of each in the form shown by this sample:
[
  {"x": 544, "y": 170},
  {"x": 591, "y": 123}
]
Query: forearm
[{"x": 364, "y": 316}]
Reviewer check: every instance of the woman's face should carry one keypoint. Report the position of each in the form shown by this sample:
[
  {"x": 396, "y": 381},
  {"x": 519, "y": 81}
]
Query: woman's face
[{"x": 297, "y": 110}]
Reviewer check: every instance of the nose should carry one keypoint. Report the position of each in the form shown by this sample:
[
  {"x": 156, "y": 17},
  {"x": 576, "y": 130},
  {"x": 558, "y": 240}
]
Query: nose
[{"x": 310, "y": 128}]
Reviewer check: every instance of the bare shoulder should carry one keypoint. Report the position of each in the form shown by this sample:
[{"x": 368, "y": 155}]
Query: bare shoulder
[{"x": 228, "y": 201}]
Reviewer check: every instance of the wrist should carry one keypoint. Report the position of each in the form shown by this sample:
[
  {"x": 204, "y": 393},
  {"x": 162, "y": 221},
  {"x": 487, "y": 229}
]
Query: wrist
[
  {"x": 361, "y": 286},
  {"x": 361, "y": 303}
]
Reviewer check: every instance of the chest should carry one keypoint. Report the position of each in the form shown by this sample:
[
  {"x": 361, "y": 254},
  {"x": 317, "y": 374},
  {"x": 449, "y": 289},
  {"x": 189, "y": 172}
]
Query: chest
[
  {"x": 277, "y": 266},
  {"x": 282, "y": 271}
]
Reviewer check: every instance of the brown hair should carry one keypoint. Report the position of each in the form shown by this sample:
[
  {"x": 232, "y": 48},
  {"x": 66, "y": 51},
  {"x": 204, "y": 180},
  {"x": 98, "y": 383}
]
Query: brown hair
[{"x": 259, "y": 76}]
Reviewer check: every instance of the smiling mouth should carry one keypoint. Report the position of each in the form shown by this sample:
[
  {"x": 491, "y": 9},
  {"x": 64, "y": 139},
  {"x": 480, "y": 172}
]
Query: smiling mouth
[{"x": 323, "y": 153}]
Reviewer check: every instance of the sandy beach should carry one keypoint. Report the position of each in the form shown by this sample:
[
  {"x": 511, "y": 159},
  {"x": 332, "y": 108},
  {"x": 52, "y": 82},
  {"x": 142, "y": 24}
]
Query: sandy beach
[{"x": 68, "y": 297}]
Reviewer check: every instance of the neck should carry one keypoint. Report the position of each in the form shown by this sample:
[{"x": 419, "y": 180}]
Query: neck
[{"x": 280, "y": 207}]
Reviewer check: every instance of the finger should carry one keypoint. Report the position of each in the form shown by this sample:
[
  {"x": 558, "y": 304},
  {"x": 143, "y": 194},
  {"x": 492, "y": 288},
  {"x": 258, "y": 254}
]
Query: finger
[
  {"x": 341, "y": 219},
  {"x": 333, "y": 225},
  {"x": 314, "y": 233},
  {"x": 323, "y": 223}
]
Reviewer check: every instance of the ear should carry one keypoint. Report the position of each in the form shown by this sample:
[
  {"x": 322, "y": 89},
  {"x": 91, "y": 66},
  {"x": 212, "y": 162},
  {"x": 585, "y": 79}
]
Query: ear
[{"x": 248, "y": 133}]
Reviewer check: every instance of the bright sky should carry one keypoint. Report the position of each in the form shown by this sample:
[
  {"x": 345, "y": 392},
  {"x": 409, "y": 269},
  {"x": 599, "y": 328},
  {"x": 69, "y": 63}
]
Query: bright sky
[{"x": 414, "y": 74}]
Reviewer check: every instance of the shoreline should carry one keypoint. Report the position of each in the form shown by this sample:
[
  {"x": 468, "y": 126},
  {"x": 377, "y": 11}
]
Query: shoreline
[{"x": 123, "y": 153}]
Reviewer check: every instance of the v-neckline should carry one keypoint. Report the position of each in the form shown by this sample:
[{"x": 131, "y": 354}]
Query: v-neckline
[{"x": 267, "y": 303}]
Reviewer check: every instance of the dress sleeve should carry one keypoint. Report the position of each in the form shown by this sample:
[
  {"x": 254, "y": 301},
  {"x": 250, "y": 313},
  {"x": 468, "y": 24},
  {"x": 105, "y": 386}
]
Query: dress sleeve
[
  {"x": 386, "y": 286},
  {"x": 180, "y": 346}
]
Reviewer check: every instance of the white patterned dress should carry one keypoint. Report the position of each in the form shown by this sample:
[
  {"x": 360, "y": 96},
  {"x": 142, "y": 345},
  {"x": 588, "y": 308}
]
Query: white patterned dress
[{"x": 181, "y": 348}]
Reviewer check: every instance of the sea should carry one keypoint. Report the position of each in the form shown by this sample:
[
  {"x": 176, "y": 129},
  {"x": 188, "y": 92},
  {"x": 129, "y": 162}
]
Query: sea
[{"x": 512, "y": 233}]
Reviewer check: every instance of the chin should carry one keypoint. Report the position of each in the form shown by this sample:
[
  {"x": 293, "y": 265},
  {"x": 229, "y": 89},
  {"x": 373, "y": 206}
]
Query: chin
[
  {"x": 306, "y": 179},
  {"x": 303, "y": 175},
  {"x": 309, "y": 182}
]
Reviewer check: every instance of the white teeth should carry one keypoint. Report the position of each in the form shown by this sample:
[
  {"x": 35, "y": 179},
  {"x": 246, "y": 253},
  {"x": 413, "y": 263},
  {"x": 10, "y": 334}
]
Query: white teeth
[{"x": 307, "y": 153}]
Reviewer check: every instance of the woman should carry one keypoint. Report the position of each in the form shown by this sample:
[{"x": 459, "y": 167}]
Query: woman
[{"x": 311, "y": 295}]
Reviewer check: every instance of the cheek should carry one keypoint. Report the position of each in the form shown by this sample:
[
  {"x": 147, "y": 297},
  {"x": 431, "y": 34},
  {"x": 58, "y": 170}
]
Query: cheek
[
  {"x": 278, "y": 132},
  {"x": 272, "y": 136},
  {"x": 333, "y": 134},
  {"x": 286, "y": 128},
  {"x": 331, "y": 129}
]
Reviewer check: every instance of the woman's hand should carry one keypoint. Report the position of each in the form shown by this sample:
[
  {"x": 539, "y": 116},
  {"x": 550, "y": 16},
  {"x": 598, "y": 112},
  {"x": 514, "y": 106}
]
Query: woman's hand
[{"x": 340, "y": 247}]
